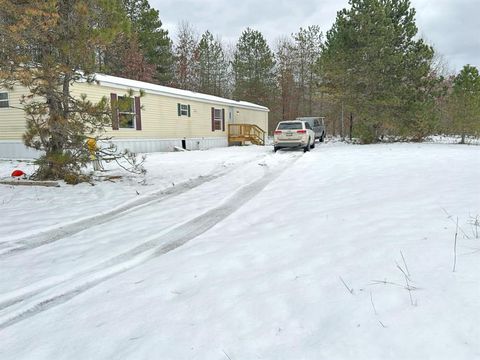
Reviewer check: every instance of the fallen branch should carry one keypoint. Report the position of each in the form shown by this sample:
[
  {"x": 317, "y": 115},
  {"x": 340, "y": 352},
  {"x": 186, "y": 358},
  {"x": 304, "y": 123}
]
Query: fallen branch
[
  {"x": 30, "y": 183},
  {"x": 108, "y": 177}
]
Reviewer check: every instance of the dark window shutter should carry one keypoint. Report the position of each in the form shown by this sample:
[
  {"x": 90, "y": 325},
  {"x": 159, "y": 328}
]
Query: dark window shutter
[
  {"x": 188, "y": 110},
  {"x": 213, "y": 119},
  {"x": 138, "y": 113},
  {"x": 179, "y": 110},
  {"x": 223, "y": 119},
  {"x": 114, "y": 105}
]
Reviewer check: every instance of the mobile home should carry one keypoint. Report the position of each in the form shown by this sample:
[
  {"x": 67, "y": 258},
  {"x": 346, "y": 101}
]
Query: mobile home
[{"x": 162, "y": 118}]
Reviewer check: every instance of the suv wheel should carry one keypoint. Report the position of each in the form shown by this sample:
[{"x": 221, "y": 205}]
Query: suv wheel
[{"x": 307, "y": 147}]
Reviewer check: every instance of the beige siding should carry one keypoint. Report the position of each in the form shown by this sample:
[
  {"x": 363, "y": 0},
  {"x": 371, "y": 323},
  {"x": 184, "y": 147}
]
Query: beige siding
[
  {"x": 247, "y": 116},
  {"x": 160, "y": 118},
  {"x": 160, "y": 115},
  {"x": 12, "y": 120}
]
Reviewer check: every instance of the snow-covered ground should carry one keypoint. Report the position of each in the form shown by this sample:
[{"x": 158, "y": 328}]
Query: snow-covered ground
[{"x": 345, "y": 252}]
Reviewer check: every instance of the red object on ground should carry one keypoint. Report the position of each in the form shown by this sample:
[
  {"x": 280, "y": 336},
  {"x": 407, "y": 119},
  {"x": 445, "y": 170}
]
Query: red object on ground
[{"x": 17, "y": 173}]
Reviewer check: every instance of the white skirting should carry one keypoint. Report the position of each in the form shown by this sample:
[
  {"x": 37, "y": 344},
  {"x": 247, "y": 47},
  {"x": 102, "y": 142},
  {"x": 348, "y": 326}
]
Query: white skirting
[
  {"x": 16, "y": 150},
  {"x": 164, "y": 145}
]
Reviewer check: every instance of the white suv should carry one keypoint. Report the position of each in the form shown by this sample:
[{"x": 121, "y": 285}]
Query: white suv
[{"x": 293, "y": 133}]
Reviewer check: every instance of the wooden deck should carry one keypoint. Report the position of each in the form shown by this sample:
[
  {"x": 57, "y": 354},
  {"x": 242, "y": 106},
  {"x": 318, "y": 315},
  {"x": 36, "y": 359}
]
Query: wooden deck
[{"x": 245, "y": 133}]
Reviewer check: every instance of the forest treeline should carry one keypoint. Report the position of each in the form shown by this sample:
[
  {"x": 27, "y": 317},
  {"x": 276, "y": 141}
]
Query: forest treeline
[{"x": 371, "y": 67}]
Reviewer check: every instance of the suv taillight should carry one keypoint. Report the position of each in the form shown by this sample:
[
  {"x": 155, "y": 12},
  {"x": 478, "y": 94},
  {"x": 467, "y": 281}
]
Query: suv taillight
[
  {"x": 302, "y": 131},
  {"x": 277, "y": 132}
]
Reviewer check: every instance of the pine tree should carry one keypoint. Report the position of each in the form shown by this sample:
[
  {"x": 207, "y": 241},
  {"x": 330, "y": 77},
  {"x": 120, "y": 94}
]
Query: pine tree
[
  {"x": 253, "y": 68},
  {"x": 285, "y": 70},
  {"x": 49, "y": 45},
  {"x": 154, "y": 42},
  {"x": 123, "y": 57},
  {"x": 308, "y": 44},
  {"x": 185, "y": 55},
  {"x": 465, "y": 102},
  {"x": 373, "y": 62},
  {"x": 134, "y": 64},
  {"x": 212, "y": 66}
]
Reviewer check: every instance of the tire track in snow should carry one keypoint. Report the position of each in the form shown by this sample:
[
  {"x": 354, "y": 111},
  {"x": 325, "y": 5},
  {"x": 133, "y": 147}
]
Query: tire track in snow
[
  {"x": 56, "y": 234},
  {"x": 166, "y": 242}
]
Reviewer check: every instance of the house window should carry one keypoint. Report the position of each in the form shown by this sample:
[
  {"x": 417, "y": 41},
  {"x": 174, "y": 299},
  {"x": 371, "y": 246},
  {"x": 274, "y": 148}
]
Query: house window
[
  {"x": 126, "y": 112},
  {"x": 183, "y": 109},
  {"x": 217, "y": 119},
  {"x": 4, "y": 100}
]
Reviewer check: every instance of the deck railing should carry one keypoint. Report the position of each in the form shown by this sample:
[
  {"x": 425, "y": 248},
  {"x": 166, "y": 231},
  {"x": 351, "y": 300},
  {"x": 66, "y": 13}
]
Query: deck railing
[{"x": 242, "y": 133}]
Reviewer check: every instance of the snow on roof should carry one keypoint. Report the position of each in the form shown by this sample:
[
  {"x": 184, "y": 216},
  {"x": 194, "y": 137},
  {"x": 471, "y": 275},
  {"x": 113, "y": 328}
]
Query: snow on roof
[{"x": 114, "y": 81}]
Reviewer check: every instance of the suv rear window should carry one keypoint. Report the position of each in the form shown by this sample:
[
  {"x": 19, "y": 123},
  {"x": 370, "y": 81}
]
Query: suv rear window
[{"x": 290, "y": 126}]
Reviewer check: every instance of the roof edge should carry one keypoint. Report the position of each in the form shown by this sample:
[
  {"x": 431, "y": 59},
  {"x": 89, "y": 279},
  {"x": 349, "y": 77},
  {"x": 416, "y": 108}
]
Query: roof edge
[{"x": 103, "y": 79}]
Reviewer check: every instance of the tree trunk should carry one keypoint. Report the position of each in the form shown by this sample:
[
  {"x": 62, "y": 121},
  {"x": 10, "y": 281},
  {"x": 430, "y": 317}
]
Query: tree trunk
[{"x": 351, "y": 125}]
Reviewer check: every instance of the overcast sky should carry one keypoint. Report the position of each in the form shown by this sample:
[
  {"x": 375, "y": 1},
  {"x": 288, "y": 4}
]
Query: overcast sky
[{"x": 451, "y": 26}]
